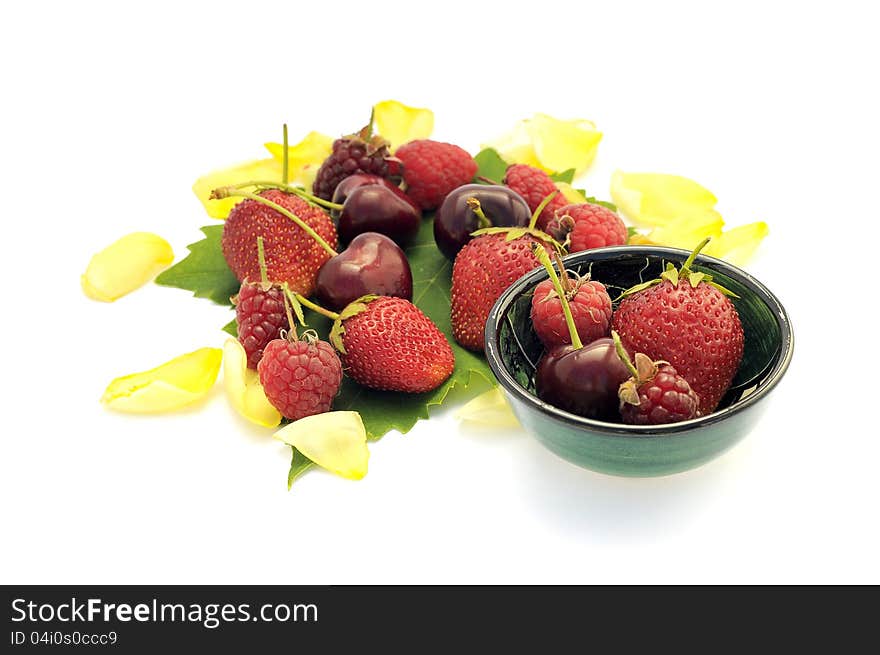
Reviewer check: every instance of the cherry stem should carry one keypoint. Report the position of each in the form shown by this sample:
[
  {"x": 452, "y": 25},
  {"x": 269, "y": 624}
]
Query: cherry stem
[
  {"x": 563, "y": 274},
  {"x": 686, "y": 267},
  {"x": 482, "y": 220},
  {"x": 316, "y": 308},
  {"x": 284, "y": 176},
  {"x": 624, "y": 356},
  {"x": 542, "y": 256},
  {"x": 261, "y": 257},
  {"x": 290, "y": 321},
  {"x": 227, "y": 192},
  {"x": 540, "y": 208},
  {"x": 487, "y": 180},
  {"x": 302, "y": 193}
]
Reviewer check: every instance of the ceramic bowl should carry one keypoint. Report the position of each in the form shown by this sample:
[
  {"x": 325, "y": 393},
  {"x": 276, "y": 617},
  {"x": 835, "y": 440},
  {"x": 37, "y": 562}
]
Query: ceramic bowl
[{"x": 513, "y": 349}]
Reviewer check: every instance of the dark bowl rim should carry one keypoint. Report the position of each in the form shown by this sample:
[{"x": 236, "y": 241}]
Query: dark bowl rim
[{"x": 493, "y": 355}]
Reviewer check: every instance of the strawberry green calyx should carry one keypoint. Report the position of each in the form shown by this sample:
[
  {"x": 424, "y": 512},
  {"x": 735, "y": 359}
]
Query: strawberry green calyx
[
  {"x": 683, "y": 274},
  {"x": 351, "y": 310},
  {"x": 514, "y": 233},
  {"x": 542, "y": 256}
]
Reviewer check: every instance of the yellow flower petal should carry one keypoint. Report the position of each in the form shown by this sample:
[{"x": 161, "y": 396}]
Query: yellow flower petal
[
  {"x": 550, "y": 144},
  {"x": 564, "y": 144},
  {"x": 687, "y": 232},
  {"x": 243, "y": 387},
  {"x": 489, "y": 409},
  {"x": 738, "y": 244},
  {"x": 309, "y": 153},
  {"x": 571, "y": 194},
  {"x": 655, "y": 199},
  {"x": 126, "y": 265},
  {"x": 400, "y": 123},
  {"x": 173, "y": 385},
  {"x": 336, "y": 441},
  {"x": 516, "y": 147},
  {"x": 259, "y": 170}
]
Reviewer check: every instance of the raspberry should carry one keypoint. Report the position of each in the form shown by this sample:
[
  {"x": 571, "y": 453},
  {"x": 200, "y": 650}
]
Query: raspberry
[
  {"x": 300, "y": 378},
  {"x": 590, "y": 307},
  {"x": 260, "y": 316},
  {"x": 665, "y": 398},
  {"x": 534, "y": 185},
  {"x": 587, "y": 226},
  {"x": 432, "y": 169},
  {"x": 356, "y": 153}
]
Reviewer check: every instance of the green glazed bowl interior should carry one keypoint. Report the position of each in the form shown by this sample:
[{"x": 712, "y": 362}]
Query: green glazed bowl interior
[{"x": 513, "y": 350}]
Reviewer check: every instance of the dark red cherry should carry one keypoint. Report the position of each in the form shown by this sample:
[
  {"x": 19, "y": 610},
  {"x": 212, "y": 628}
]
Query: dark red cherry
[
  {"x": 382, "y": 209},
  {"x": 583, "y": 381},
  {"x": 455, "y": 220},
  {"x": 352, "y": 182},
  {"x": 372, "y": 264}
]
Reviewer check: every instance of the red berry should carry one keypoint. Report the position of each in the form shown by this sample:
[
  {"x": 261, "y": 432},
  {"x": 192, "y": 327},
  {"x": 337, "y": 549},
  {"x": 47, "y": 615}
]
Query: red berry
[
  {"x": 534, "y": 185},
  {"x": 694, "y": 328},
  {"x": 392, "y": 345},
  {"x": 432, "y": 169},
  {"x": 260, "y": 316},
  {"x": 300, "y": 378},
  {"x": 483, "y": 269},
  {"x": 590, "y": 307},
  {"x": 666, "y": 397},
  {"x": 587, "y": 226},
  {"x": 292, "y": 255},
  {"x": 355, "y": 153}
]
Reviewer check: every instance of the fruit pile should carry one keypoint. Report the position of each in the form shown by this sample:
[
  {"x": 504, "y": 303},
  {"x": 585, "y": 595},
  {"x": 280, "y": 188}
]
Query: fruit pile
[
  {"x": 361, "y": 289},
  {"x": 683, "y": 330}
]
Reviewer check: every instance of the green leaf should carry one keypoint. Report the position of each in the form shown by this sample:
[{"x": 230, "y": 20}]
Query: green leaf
[
  {"x": 299, "y": 464},
  {"x": 231, "y": 328},
  {"x": 564, "y": 176},
  {"x": 383, "y": 411},
  {"x": 204, "y": 271},
  {"x": 596, "y": 201},
  {"x": 490, "y": 166}
]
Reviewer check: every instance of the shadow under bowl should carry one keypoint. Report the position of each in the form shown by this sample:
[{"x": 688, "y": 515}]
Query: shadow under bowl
[{"x": 513, "y": 350}]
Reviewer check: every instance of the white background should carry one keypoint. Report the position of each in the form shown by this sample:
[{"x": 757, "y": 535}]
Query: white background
[{"x": 110, "y": 112}]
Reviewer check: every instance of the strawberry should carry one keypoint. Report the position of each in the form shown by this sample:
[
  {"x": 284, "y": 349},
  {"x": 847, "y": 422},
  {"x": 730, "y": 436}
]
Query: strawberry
[
  {"x": 590, "y": 308},
  {"x": 300, "y": 377},
  {"x": 387, "y": 343},
  {"x": 585, "y": 226},
  {"x": 485, "y": 267},
  {"x": 299, "y": 237},
  {"x": 655, "y": 393},
  {"x": 534, "y": 185},
  {"x": 432, "y": 169},
  {"x": 687, "y": 320}
]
